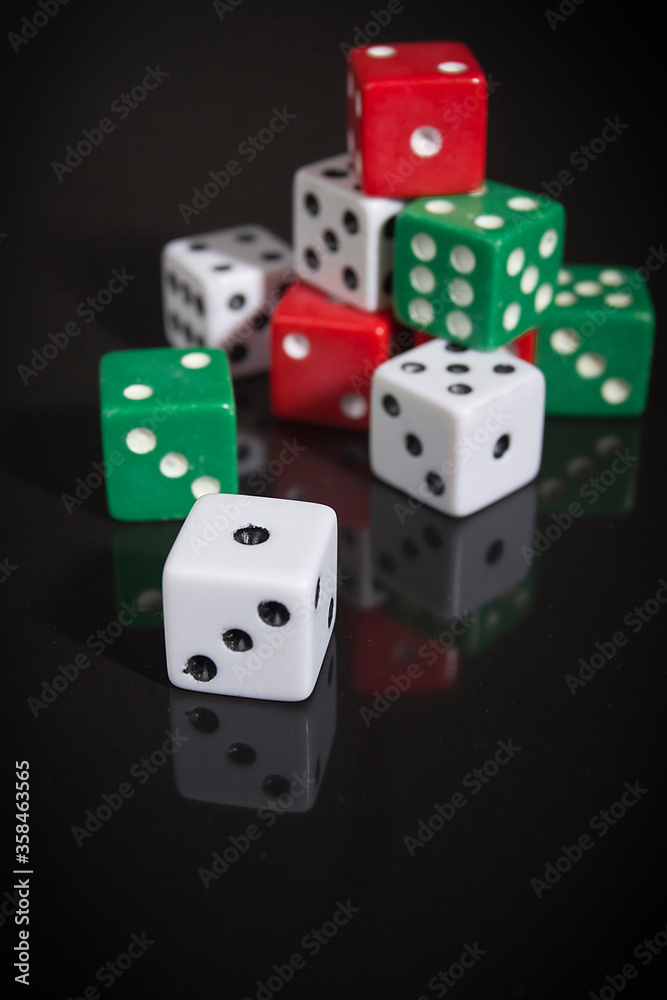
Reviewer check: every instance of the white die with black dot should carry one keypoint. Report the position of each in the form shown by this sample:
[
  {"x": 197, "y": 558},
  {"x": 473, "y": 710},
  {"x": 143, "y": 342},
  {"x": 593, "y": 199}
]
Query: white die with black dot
[
  {"x": 249, "y": 596},
  {"x": 219, "y": 290},
  {"x": 457, "y": 429}
]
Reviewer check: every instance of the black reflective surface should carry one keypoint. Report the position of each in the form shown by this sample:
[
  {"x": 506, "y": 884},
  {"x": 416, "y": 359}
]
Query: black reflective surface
[{"x": 472, "y": 800}]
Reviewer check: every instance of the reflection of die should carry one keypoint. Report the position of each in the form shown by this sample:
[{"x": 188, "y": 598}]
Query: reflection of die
[
  {"x": 249, "y": 594},
  {"x": 242, "y": 752},
  {"x": 417, "y": 118},
  {"x": 457, "y": 429},
  {"x": 595, "y": 343},
  {"x": 219, "y": 289},
  {"x": 592, "y": 463},
  {"x": 479, "y": 268},
  {"x": 168, "y": 430},
  {"x": 343, "y": 240},
  {"x": 140, "y": 551},
  {"x": 451, "y": 567}
]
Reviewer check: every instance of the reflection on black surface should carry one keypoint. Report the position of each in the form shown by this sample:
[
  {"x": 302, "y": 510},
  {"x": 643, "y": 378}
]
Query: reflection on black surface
[
  {"x": 245, "y": 752},
  {"x": 450, "y": 566},
  {"x": 139, "y": 553},
  {"x": 590, "y": 462},
  {"x": 386, "y": 652},
  {"x": 357, "y": 580}
]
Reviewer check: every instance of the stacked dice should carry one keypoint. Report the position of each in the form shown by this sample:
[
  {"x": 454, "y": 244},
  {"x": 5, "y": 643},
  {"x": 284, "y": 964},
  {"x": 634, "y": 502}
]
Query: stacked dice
[{"x": 430, "y": 306}]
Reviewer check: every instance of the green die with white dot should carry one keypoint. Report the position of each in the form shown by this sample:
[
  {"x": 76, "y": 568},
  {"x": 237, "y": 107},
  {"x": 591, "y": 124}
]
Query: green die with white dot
[
  {"x": 479, "y": 269},
  {"x": 595, "y": 343},
  {"x": 168, "y": 430}
]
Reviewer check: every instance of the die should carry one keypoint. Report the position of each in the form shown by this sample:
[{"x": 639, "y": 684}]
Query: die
[
  {"x": 249, "y": 595},
  {"x": 219, "y": 290},
  {"x": 168, "y": 430},
  {"x": 479, "y": 269},
  {"x": 343, "y": 240},
  {"x": 451, "y": 567},
  {"x": 595, "y": 343},
  {"x": 255, "y": 754},
  {"x": 323, "y": 356},
  {"x": 456, "y": 429},
  {"x": 416, "y": 117}
]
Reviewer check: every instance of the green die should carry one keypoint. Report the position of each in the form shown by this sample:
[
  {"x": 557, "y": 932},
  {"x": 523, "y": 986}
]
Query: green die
[
  {"x": 595, "y": 343},
  {"x": 479, "y": 269},
  {"x": 168, "y": 430},
  {"x": 140, "y": 552}
]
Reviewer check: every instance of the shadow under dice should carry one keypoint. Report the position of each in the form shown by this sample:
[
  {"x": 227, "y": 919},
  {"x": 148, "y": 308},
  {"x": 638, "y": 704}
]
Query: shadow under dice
[
  {"x": 596, "y": 342},
  {"x": 249, "y": 594},
  {"x": 219, "y": 289},
  {"x": 456, "y": 429},
  {"x": 479, "y": 269},
  {"x": 168, "y": 430},
  {"x": 343, "y": 239}
]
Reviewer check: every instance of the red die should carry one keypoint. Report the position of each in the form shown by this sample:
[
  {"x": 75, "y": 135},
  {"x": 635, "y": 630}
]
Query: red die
[
  {"x": 323, "y": 356},
  {"x": 524, "y": 346},
  {"x": 417, "y": 119}
]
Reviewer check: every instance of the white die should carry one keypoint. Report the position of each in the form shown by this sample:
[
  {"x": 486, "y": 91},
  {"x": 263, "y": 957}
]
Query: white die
[
  {"x": 219, "y": 289},
  {"x": 249, "y": 596},
  {"x": 243, "y": 752},
  {"x": 343, "y": 239},
  {"x": 457, "y": 429}
]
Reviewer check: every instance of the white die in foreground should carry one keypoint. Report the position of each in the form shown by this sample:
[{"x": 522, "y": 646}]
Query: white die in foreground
[
  {"x": 219, "y": 290},
  {"x": 343, "y": 239},
  {"x": 249, "y": 596},
  {"x": 457, "y": 429}
]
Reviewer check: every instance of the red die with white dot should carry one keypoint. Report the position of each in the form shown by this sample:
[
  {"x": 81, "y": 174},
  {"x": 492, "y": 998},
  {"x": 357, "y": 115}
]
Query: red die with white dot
[
  {"x": 417, "y": 119},
  {"x": 324, "y": 354}
]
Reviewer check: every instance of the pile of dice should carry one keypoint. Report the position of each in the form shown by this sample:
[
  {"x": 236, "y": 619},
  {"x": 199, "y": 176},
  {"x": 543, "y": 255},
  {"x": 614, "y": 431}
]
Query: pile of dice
[{"x": 424, "y": 303}]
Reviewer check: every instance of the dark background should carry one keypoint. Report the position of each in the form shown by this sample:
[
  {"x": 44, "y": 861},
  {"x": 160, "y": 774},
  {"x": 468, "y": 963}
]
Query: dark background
[{"x": 471, "y": 882}]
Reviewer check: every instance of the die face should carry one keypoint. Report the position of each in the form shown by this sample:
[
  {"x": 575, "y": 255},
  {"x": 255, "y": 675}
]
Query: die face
[
  {"x": 323, "y": 354},
  {"x": 451, "y": 567},
  {"x": 219, "y": 289},
  {"x": 407, "y": 132},
  {"x": 478, "y": 269},
  {"x": 595, "y": 343},
  {"x": 456, "y": 429},
  {"x": 168, "y": 430},
  {"x": 248, "y": 753},
  {"x": 249, "y": 591},
  {"x": 343, "y": 240}
]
